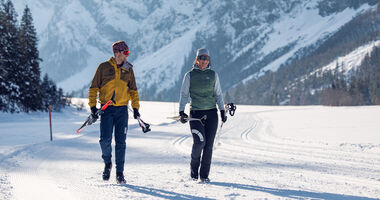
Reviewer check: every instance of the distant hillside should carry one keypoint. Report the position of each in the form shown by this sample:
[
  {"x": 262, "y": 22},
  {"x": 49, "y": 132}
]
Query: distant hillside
[
  {"x": 245, "y": 38},
  {"x": 295, "y": 84}
]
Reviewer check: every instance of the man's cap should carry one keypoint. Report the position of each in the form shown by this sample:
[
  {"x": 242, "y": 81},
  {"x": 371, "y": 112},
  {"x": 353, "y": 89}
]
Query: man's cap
[{"x": 119, "y": 46}]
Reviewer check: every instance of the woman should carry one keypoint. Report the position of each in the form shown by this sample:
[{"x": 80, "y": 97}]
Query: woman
[{"x": 202, "y": 85}]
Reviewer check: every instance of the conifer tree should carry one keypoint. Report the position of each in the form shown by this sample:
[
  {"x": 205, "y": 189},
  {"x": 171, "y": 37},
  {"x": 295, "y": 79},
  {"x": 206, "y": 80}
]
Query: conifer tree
[
  {"x": 45, "y": 90},
  {"x": 3, "y": 83},
  {"x": 21, "y": 88},
  {"x": 29, "y": 60},
  {"x": 51, "y": 95},
  {"x": 9, "y": 57}
]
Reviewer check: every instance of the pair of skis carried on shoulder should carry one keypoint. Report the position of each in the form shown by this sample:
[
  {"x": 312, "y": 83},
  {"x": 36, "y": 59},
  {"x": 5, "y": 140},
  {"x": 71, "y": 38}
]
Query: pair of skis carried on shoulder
[{"x": 92, "y": 119}]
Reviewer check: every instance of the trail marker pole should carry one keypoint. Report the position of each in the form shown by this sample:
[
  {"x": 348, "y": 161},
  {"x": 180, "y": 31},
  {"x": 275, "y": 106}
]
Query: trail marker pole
[{"x": 51, "y": 132}]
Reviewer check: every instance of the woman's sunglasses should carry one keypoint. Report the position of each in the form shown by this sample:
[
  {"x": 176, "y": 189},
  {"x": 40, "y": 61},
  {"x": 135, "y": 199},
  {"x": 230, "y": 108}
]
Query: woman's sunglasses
[{"x": 203, "y": 57}]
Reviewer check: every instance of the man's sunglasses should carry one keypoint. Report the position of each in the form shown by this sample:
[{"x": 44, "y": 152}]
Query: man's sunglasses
[
  {"x": 203, "y": 57},
  {"x": 125, "y": 52}
]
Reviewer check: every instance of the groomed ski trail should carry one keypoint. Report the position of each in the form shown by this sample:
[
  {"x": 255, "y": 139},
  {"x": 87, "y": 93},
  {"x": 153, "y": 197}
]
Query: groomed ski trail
[{"x": 255, "y": 160}]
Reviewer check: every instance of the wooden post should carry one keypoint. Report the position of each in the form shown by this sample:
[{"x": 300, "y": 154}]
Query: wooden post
[{"x": 51, "y": 132}]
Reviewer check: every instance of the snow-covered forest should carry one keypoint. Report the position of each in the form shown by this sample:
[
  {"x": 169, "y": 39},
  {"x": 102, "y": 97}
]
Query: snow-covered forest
[{"x": 22, "y": 87}]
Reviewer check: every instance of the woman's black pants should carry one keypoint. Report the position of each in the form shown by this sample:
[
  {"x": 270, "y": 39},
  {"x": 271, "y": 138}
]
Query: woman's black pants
[{"x": 203, "y": 137}]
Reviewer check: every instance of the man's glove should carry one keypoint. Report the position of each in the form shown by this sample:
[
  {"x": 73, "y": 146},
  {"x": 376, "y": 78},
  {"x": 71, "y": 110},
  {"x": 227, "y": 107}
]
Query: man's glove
[
  {"x": 94, "y": 110},
  {"x": 183, "y": 117},
  {"x": 136, "y": 113},
  {"x": 94, "y": 115},
  {"x": 223, "y": 115}
]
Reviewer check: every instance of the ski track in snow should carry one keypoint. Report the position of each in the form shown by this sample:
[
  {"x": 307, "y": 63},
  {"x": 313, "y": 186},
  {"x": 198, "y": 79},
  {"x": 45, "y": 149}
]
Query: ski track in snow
[
  {"x": 252, "y": 160},
  {"x": 314, "y": 160}
]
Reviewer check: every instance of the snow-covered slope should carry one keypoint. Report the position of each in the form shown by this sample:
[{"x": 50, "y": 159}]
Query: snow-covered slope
[
  {"x": 346, "y": 64},
  {"x": 246, "y": 38},
  {"x": 351, "y": 61},
  {"x": 308, "y": 152},
  {"x": 304, "y": 28}
]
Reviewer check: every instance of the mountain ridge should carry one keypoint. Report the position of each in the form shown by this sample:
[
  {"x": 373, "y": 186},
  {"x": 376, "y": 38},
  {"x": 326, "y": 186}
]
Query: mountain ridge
[{"x": 245, "y": 38}]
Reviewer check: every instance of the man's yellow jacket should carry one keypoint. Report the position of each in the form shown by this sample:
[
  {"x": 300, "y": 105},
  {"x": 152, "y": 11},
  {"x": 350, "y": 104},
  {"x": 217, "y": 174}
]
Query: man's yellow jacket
[{"x": 109, "y": 78}]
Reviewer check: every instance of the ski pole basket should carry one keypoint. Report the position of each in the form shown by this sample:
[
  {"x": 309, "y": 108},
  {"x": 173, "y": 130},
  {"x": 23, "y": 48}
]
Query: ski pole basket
[
  {"x": 231, "y": 108},
  {"x": 144, "y": 126}
]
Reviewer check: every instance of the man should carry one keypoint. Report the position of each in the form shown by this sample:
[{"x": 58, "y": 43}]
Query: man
[{"x": 115, "y": 75}]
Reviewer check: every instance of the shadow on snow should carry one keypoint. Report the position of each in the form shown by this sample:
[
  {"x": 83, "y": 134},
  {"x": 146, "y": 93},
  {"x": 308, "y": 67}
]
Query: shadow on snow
[
  {"x": 161, "y": 193},
  {"x": 294, "y": 194}
]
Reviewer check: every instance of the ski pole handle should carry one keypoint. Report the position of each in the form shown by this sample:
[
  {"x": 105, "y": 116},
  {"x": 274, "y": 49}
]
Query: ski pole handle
[
  {"x": 106, "y": 105},
  {"x": 109, "y": 102}
]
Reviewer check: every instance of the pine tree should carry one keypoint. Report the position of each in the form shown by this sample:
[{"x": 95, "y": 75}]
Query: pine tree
[
  {"x": 51, "y": 95},
  {"x": 61, "y": 101},
  {"x": 3, "y": 83},
  {"x": 9, "y": 57},
  {"x": 29, "y": 60},
  {"x": 20, "y": 86},
  {"x": 45, "y": 89}
]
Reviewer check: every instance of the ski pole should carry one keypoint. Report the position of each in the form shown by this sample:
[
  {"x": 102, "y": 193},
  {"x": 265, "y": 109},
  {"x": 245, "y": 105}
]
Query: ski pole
[
  {"x": 178, "y": 118},
  {"x": 202, "y": 119},
  {"x": 90, "y": 120},
  {"x": 231, "y": 108},
  {"x": 218, "y": 135},
  {"x": 144, "y": 126},
  {"x": 104, "y": 107}
]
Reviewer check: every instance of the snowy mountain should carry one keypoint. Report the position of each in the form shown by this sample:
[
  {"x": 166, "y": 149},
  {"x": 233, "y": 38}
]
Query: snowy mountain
[
  {"x": 246, "y": 38},
  {"x": 344, "y": 67}
]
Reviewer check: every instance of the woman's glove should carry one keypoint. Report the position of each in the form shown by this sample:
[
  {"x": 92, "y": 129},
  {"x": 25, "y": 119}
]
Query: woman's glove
[
  {"x": 223, "y": 115},
  {"x": 183, "y": 117}
]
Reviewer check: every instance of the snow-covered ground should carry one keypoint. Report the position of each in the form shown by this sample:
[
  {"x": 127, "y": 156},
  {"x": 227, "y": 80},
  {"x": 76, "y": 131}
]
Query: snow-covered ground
[{"x": 308, "y": 152}]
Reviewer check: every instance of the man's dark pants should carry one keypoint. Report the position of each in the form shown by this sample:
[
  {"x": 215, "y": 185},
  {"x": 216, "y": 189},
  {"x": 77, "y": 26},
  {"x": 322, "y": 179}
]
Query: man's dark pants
[{"x": 114, "y": 117}]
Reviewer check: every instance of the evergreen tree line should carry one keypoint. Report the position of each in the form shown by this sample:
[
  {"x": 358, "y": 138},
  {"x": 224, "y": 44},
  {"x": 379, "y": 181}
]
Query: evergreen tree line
[
  {"x": 363, "y": 88},
  {"x": 292, "y": 84},
  {"x": 21, "y": 87},
  {"x": 327, "y": 7}
]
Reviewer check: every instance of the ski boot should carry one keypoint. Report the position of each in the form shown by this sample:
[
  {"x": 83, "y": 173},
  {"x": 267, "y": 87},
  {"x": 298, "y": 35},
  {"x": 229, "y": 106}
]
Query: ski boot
[
  {"x": 120, "y": 178},
  {"x": 205, "y": 180},
  {"x": 193, "y": 175},
  {"x": 107, "y": 171}
]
